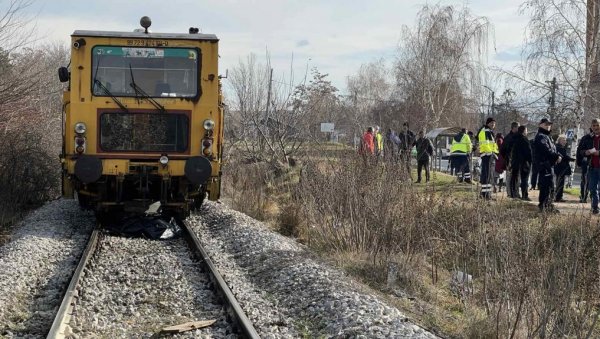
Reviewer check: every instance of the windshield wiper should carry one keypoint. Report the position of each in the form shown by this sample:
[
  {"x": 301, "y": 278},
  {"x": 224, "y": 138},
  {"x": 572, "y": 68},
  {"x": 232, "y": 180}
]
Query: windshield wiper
[
  {"x": 109, "y": 93},
  {"x": 144, "y": 95},
  {"x": 106, "y": 90}
]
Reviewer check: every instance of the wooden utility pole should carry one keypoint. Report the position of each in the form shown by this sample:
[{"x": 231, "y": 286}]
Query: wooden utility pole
[
  {"x": 266, "y": 123},
  {"x": 552, "y": 101},
  {"x": 269, "y": 96}
]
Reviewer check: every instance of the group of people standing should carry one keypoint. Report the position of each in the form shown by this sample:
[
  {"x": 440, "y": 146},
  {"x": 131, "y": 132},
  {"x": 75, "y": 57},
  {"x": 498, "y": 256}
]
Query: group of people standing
[
  {"x": 546, "y": 161},
  {"x": 541, "y": 162},
  {"x": 398, "y": 147}
]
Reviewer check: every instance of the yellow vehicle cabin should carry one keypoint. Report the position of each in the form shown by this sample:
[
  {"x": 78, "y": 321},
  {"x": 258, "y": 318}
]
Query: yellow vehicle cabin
[{"x": 143, "y": 120}]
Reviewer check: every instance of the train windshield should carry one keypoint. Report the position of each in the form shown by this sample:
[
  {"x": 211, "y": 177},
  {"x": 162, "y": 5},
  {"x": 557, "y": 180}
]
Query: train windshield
[
  {"x": 157, "y": 72},
  {"x": 144, "y": 132}
]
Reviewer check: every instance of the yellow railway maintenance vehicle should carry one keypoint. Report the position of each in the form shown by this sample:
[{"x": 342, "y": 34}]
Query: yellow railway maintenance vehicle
[{"x": 143, "y": 120}]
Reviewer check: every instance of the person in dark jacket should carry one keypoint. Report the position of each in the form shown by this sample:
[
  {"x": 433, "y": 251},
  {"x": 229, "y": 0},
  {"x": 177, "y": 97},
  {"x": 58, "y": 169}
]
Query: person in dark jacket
[
  {"x": 589, "y": 147},
  {"x": 505, "y": 152},
  {"x": 521, "y": 159},
  {"x": 424, "y": 153},
  {"x": 546, "y": 157},
  {"x": 582, "y": 161},
  {"x": 562, "y": 169},
  {"x": 407, "y": 139},
  {"x": 534, "y": 166}
]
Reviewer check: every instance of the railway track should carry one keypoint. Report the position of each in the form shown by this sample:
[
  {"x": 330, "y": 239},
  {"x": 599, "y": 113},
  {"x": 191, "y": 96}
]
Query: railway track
[{"x": 147, "y": 277}]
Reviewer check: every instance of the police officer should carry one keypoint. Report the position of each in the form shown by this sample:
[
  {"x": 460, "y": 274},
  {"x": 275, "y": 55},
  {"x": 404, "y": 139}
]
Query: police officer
[
  {"x": 460, "y": 149},
  {"x": 546, "y": 157},
  {"x": 488, "y": 151}
]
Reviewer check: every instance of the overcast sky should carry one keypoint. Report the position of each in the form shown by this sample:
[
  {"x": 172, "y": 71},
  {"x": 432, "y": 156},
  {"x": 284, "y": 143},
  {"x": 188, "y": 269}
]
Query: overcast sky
[{"x": 336, "y": 36}]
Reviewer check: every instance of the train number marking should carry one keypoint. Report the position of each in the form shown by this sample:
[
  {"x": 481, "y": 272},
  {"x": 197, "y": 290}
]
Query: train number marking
[{"x": 147, "y": 43}]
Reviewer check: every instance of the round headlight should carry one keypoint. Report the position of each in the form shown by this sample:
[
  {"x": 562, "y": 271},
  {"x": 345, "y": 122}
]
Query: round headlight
[
  {"x": 80, "y": 128},
  {"x": 164, "y": 160},
  {"x": 209, "y": 124}
]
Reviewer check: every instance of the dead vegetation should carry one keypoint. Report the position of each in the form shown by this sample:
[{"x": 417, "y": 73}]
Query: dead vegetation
[
  {"x": 30, "y": 116},
  {"x": 532, "y": 275}
]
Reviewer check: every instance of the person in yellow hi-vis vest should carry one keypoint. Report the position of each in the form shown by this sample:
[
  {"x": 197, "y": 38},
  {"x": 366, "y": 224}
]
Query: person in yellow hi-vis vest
[
  {"x": 460, "y": 150},
  {"x": 378, "y": 140},
  {"x": 488, "y": 152}
]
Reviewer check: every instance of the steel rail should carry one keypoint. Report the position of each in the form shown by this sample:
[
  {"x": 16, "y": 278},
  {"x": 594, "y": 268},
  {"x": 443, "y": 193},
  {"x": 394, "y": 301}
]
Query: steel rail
[
  {"x": 63, "y": 316},
  {"x": 233, "y": 307}
]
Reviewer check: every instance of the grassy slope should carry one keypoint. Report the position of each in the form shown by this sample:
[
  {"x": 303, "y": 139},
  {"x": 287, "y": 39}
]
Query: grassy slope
[{"x": 423, "y": 291}]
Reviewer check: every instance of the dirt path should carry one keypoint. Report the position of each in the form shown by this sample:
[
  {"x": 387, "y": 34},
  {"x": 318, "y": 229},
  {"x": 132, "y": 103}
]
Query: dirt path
[{"x": 571, "y": 206}]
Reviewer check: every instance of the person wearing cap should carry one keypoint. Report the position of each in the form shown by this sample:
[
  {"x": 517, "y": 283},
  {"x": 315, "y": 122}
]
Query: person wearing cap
[
  {"x": 546, "y": 157},
  {"x": 488, "y": 151},
  {"x": 460, "y": 149},
  {"x": 505, "y": 152},
  {"x": 589, "y": 147}
]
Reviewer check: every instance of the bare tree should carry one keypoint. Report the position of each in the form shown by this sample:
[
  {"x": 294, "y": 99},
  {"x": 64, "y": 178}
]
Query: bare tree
[
  {"x": 370, "y": 90},
  {"x": 440, "y": 62},
  {"x": 262, "y": 119},
  {"x": 314, "y": 103},
  {"x": 30, "y": 111},
  {"x": 555, "y": 64},
  {"x": 16, "y": 27}
]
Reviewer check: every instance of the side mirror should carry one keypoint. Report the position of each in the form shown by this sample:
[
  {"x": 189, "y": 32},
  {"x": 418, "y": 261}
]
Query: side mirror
[{"x": 63, "y": 74}]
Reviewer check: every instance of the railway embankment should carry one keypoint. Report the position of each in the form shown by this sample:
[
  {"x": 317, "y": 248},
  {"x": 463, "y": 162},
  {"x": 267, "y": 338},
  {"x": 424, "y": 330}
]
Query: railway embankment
[
  {"x": 36, "y": 265},
  {"x": 287, "y": 291}
]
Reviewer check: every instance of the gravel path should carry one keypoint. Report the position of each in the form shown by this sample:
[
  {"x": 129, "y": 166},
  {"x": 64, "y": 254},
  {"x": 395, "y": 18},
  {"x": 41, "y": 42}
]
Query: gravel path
[
  {"x": 135, "y": 287},
  {"x": 285, "y": 292},
  {"x": 36, "y": 265}
]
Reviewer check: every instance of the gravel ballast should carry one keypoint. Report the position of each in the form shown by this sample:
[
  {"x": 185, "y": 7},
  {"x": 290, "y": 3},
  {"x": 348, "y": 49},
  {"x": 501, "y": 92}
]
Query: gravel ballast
[
  {"x": 283, "y": 291},
  {"x": 37, "y": 264},
  {"x": 133, "y": 288}
]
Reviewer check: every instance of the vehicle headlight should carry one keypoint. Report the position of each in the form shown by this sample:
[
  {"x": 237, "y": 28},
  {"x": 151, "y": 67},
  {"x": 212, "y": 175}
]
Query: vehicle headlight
[
  {"x": 209, "y": 124},
  {"x": 80, "y": 128},
  {"x": 164, "y": 160}
]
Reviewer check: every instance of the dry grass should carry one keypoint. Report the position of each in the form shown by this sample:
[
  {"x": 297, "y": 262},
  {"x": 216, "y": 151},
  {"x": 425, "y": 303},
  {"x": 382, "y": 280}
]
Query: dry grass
[{"x": 533, "y": 275}]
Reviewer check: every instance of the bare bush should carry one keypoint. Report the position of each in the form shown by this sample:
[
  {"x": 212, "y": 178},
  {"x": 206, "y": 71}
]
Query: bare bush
[
  {"x": 534, "y": 276},
  {"x": 30, "y": 112},
  {"x": 28, "y": 174}
]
